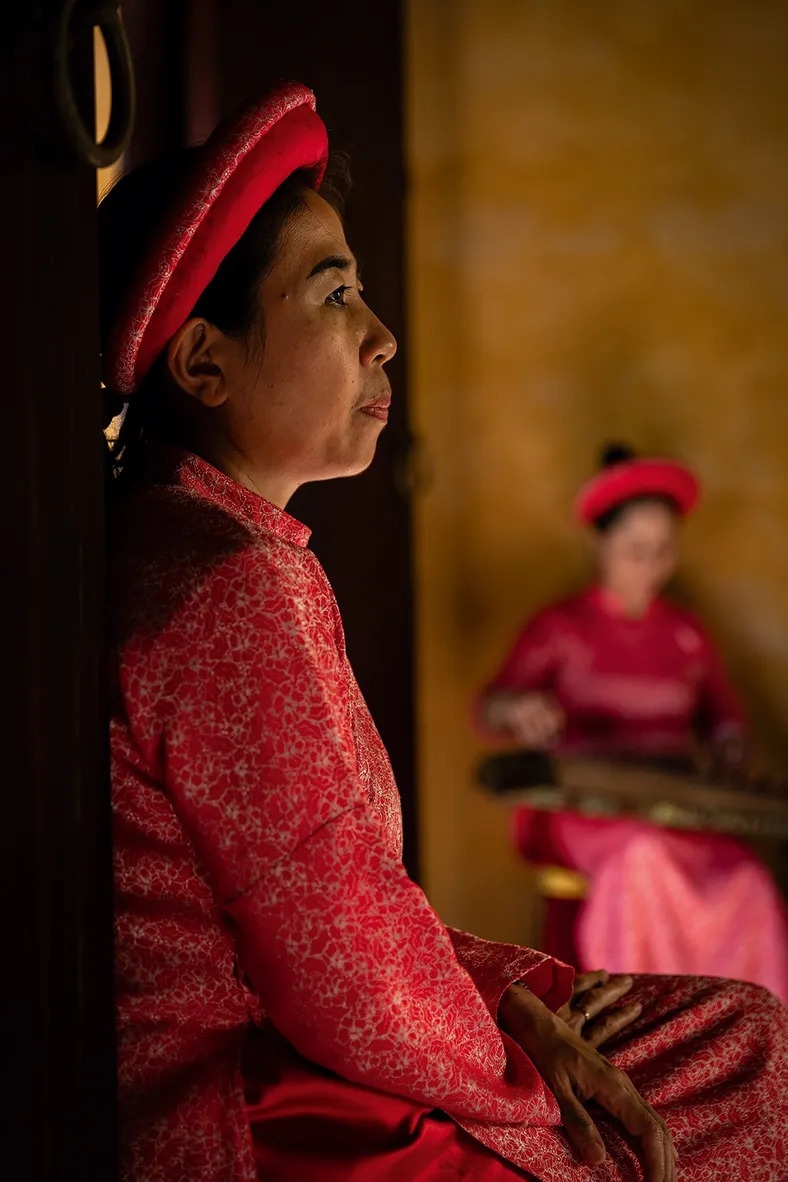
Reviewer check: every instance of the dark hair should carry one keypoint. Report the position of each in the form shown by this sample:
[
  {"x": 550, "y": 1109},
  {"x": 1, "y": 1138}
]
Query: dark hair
[
  {"x": 616, "y": 453},
  {"x": 129, "y": 217},
  {"x": 620, "y": 453}
]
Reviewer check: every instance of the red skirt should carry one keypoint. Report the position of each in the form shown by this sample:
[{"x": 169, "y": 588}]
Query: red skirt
[
  {"x": 660, "y": 900},
  {"x": 309, "y": 1125}
]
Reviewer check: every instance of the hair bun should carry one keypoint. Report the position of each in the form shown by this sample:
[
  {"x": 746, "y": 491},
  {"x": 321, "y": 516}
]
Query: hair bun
[{"x": 616, "y": 453}]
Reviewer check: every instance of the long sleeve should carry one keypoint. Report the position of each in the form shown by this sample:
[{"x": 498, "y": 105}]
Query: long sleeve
[
  {"x": 530, "y": 664},
  {"x": 493, "y": 966},
  {"x": 533, "y": 659},
  {"x": 348, "y": 958}
]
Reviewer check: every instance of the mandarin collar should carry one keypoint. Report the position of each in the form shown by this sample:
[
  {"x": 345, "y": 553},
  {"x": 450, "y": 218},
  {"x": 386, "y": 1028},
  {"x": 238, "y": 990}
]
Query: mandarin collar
[
  {"x": 201, "y": 478},
  {"x": 608, "y": 603}
]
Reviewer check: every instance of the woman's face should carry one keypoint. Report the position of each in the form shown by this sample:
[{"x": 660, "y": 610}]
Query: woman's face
[
  {"x": 311, "y": 403},
  {"x": 637, "y": 555}
]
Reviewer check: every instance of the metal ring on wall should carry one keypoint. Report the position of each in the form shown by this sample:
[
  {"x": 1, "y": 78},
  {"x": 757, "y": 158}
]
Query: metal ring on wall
[{"x": 84, "y": 16}]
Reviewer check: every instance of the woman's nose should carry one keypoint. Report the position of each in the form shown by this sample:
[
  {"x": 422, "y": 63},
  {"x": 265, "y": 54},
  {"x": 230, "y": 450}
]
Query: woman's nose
[{"x": 380, "y": 345}]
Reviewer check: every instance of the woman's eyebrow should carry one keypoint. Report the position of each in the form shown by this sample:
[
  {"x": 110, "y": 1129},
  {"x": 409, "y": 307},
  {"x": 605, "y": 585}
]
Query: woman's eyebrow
[{"x": 333, "y": 262}]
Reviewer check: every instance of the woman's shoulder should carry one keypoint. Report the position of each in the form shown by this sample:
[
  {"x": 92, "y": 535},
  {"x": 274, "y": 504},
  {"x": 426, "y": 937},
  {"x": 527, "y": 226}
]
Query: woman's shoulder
[
  {"x": 571, "y": 609},
  {"x": 558, "y": 616},
  {"x": 172, "y": 549}
]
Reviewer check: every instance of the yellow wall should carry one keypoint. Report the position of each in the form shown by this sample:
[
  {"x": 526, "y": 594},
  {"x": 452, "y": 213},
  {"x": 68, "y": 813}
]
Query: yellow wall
[
  {"x": 599, "y": 248},
  {"x": 103, "y": 90}
]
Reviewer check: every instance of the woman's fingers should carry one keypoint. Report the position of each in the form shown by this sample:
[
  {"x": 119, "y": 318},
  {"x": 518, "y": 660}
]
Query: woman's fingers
[
  {"x": 578, "y": 1074},
  {"x": 582, "y": 983},
  {"x": 586, "y": 981},
  {"x": 597, "y": 999},
  {"x": 587, "y": 1013},
  {"x": 612, "y": 1023},
  {"x": 657, "y": 1153},
  {"x": 532, "y": 735},
  {"x": 534, "y": 720},
  {"x": 617, "y": 1095},
  {"x": 581, "y": 1130},
  {"x": 611, "y": 1090},
  {"x": 535, "y": 726},
  {"x": 552, "y": 720}
]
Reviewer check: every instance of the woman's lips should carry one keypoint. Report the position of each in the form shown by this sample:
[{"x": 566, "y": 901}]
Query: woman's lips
[
  {"x": 379, "y": 409},
  {"x": 376, "y": 412}
]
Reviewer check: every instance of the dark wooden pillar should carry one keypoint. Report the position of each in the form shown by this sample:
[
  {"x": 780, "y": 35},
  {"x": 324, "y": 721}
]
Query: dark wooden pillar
[{"x": 56, "y": 1011}]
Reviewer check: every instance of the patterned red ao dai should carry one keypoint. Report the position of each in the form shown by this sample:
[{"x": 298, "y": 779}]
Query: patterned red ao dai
[{"x": 289, "y": 1005}]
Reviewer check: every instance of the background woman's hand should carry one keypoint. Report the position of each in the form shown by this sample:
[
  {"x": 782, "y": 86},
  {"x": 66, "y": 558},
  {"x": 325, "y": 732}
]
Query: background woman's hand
[
  {"x": 577, "y": 1074},
  {"x": 533, "y": 720},
  {"x": 731, "y": 763},
  {"x": 589, "y": 1014}
]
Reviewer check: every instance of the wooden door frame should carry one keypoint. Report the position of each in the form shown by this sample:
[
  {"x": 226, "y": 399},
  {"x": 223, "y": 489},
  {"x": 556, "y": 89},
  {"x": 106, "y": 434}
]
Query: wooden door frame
[{"x": 57, "y": 987}]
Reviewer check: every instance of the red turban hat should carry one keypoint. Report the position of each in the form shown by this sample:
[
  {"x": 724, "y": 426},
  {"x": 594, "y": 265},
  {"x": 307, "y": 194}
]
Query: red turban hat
[
  {"x": 242, "y": 164},
  {"x": 635, "y": 478}
]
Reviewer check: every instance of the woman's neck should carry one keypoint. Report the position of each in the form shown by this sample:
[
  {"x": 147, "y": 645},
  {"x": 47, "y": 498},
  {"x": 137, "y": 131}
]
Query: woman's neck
[
  {"x": 272, "y": 486},
  {"x": 630, "y": 606}
]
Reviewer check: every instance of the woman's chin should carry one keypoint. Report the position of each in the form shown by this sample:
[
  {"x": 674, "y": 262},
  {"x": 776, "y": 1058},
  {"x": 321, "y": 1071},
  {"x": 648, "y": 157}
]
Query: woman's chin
[
  {"x": 350, "y": 465},
  {"x": 361, "y": 464},
  {"x": 363, "y": 453}
]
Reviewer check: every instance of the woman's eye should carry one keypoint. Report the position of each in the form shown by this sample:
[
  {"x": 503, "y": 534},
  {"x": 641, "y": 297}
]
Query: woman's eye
[{"x": 337, "y": 297}]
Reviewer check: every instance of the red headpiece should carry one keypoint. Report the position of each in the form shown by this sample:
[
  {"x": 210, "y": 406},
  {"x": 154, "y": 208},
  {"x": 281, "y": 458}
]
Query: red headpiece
[
  {"x": 242, "y": 164},
  {"x": 637, "y": 478}
]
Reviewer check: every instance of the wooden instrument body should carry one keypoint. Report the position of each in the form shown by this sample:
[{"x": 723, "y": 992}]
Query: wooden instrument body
[{"x": 659, "y": 794}]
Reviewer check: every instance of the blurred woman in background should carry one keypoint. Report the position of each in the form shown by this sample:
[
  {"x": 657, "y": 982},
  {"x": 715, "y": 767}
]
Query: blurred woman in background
[{"x": 620, "y": 672}]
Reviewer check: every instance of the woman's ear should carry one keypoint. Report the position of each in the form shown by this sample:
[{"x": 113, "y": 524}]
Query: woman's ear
[{"x": 195, "y": 362}]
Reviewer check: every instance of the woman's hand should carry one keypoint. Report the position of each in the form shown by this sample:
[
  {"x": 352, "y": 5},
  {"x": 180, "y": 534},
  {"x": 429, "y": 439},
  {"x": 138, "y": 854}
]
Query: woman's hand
[
  {"x": 577, "y": 1074},
  {"x": 533, "y": 720},
  {"x": 730, "y": 763},
  {"x": 588, "y": 1013}
]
